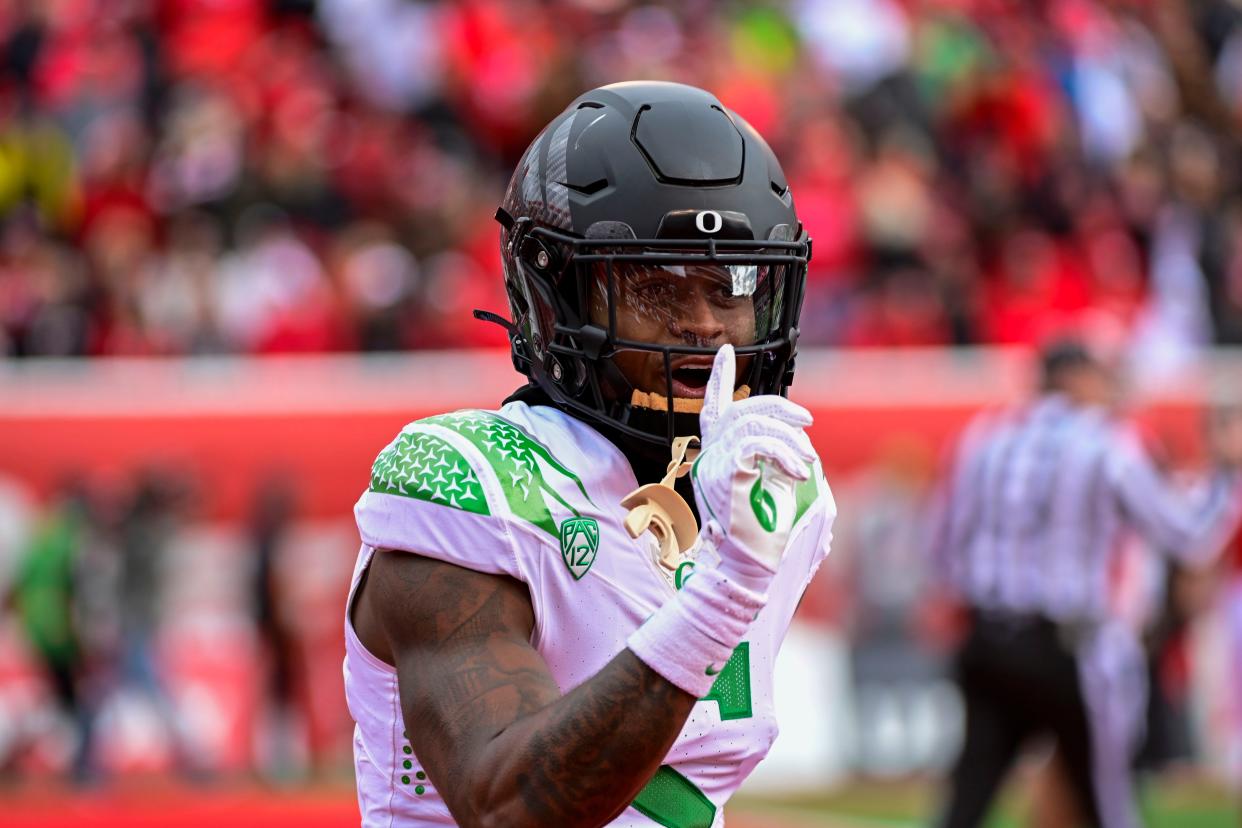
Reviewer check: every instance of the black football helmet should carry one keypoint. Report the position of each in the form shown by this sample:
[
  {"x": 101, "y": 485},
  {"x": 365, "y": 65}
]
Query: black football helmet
[{"x": 636, "y": 191}]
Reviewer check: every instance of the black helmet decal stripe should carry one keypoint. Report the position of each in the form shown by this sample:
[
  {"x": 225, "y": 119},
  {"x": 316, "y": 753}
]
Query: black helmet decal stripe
[
  {"x": 554, "y": 178},
  {"x": 531, "y": 178}
]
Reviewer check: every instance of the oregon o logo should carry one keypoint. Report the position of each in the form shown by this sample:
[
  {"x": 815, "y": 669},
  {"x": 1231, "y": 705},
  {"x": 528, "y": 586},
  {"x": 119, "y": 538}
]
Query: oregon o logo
[{"x": 701, "y": 221}]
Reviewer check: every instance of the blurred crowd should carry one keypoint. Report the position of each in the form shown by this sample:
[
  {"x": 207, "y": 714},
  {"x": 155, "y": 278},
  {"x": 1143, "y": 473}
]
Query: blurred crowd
[
  {"x": 257, "y": 176},
  {"x": 137, "y": 636}
]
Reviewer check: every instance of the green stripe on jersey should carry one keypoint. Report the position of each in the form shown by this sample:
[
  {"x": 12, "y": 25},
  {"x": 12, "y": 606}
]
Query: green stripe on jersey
[
  {"x": 731, "y": 690},
  {"x": 673, "y": 801},
  {"x": 806, "y": 493}
]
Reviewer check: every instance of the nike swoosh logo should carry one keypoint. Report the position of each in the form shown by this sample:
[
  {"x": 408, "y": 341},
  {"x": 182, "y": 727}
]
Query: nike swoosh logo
[{"x": 711, "y": 671}]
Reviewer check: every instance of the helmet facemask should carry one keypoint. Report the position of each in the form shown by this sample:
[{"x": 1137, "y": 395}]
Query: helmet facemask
[{"x": 613, "y": 329}]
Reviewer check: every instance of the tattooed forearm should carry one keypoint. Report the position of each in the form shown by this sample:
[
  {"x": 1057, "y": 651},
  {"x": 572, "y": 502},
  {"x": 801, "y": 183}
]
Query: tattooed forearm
[
  {"x": 487, "y": 720},
  {"x": 591, "y": 752}
]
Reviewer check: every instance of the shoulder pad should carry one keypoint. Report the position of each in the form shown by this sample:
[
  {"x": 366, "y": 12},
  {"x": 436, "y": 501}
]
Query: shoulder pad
[
  {"x": 423, "y": 466},
  {"x": 479, "y": 462}
]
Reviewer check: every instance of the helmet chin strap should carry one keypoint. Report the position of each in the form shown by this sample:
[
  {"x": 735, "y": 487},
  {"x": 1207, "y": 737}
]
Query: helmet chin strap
[
  {"x": 681, "y": 405},
  {"x": 659, "y": 509}
]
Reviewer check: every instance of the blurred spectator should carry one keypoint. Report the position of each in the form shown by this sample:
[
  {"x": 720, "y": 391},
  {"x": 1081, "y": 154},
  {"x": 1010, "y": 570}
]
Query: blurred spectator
[
  {"x": 1220, "y": 678},
  {"x": 148, "y": 524},
  {"x": 46, "y": 594},
  {"x": 899, "y": 681},
  {"x": 273, "y": 511},
  {"x": 1167, "y": 733},
  {"x": 971, "y": 172}
]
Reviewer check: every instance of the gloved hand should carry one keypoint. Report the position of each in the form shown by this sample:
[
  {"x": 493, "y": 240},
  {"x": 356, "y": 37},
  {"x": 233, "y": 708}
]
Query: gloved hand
[{"x": 753, "y": 454}]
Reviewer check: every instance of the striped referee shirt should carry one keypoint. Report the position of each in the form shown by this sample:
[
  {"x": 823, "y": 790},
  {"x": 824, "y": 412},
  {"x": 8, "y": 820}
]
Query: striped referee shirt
[{"x": 1037, "y": 500}]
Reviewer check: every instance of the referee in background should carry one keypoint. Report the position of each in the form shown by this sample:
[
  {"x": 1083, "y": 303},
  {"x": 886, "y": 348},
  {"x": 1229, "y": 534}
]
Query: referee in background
[{"x": 1025, "y": 530}]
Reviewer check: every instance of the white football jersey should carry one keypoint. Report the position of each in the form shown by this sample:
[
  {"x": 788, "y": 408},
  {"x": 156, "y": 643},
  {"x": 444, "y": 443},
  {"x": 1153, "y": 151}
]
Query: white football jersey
[{"x": 535, "y": 494}]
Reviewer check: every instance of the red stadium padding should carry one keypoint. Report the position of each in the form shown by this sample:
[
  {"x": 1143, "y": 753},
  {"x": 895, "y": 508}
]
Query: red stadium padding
[{"x": 227, "y": 427}]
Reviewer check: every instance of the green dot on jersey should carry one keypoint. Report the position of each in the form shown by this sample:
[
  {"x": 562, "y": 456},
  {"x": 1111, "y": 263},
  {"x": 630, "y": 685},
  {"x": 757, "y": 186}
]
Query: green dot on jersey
[
  {"x": 405, "y": 780},
  {"x": 407, "y": 750},
  {"x": 407, "y": 764},
  {"x": 420, "y": 775},
  {"x": 420, "y": 790}
]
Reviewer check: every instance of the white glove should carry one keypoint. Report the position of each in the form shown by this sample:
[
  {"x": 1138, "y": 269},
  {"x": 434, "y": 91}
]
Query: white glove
[{"x": 754, "y": 453}]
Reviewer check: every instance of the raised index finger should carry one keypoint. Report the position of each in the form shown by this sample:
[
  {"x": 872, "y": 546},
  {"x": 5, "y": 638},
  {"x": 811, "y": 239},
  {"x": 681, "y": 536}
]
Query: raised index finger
[{"x": 719, "y": 394}]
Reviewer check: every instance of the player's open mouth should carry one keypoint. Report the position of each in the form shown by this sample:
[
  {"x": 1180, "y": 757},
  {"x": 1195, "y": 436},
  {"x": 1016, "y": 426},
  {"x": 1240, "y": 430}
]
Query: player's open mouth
[{"x": 690, "y": 379}]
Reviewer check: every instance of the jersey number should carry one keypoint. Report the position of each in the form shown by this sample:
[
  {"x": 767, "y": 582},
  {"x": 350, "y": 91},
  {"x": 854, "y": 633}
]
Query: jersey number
[
  {"x": 671, "y": 799},
  {"x": 731, "y": 690}
]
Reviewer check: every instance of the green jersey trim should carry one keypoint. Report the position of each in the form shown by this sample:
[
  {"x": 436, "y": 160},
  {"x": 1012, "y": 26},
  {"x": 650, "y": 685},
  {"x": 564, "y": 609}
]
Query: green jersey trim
[
  {"x": 673, "y": 801},
  {"x": 807, "y": 492}
]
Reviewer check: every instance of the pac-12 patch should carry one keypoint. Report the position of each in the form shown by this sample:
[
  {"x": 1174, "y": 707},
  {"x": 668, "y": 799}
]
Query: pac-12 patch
[{"x": 579, "y": 543}]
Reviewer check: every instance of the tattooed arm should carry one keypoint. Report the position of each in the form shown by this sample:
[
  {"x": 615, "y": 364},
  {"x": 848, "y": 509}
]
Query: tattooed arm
[{"x": 487, "y": 721}]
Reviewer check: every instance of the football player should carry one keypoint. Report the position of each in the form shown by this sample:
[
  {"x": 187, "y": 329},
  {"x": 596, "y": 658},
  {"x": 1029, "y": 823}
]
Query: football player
[{"x": 519, "y": 651}]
